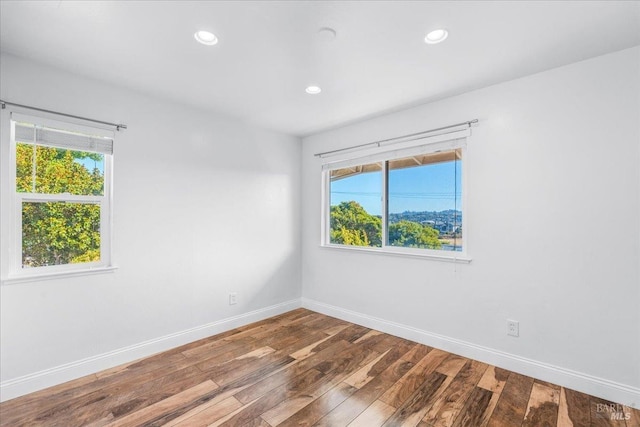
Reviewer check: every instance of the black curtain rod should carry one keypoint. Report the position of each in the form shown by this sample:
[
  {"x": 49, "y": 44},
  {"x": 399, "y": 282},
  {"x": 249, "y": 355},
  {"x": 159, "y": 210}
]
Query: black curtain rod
[
  {"x": 118, "y": 126},
  {"x": 413, "y": 136}
]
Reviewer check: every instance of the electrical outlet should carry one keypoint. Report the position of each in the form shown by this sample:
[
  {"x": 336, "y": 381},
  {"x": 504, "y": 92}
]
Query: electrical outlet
[
  {"x": 513, "y": 328},
  {"x": 233, "y": 298}
]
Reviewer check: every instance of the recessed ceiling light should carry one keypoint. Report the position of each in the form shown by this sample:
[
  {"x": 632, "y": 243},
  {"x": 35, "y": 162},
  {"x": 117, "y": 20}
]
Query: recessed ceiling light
[
  {"x": 326, "y": 34},
  {"x": 436, "y": 36},
  {"x": 313, "y": 90},
  {"x": 205, "y": 37}
]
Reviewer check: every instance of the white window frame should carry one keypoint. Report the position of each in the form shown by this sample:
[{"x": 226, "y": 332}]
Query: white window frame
[
  {"x": 12, "y": 200},
  {"x": 449, "y": 141}
]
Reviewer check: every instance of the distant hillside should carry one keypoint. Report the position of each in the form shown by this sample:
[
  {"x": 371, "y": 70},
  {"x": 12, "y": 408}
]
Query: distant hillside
[{"x": 445, "y": 221}]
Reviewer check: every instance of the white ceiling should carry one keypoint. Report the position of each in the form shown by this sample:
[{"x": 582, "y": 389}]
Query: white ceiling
[{"x": 269, "y": 51}]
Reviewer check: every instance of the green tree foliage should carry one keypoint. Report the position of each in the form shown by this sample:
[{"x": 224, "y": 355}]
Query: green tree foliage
[
  {"x": 414, "y": 235},
  {"x": 351, "y": 224},
  {"x": 345, "y": 236},
  {"x": 58, "y": 232}
]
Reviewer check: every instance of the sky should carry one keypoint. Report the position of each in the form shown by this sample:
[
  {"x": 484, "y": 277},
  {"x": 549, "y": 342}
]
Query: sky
[
  {"x": 90, "y": 164},
  {"x": 424, "y": 188}
]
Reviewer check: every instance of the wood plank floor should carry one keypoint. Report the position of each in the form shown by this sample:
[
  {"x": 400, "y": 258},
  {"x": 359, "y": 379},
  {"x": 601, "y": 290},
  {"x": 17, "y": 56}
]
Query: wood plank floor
[{"x": 306, "y": 369}]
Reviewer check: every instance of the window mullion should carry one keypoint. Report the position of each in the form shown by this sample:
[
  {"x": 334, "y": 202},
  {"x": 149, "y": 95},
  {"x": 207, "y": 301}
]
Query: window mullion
[{"x": 385, "y": 203}]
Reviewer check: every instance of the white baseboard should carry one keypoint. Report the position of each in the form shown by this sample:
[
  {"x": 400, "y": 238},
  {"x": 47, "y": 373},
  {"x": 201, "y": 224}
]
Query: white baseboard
[
  {"x": 599, "y": 387},
  {"x": 610, "y": 390},
  {"x": 57, "y": 375}
]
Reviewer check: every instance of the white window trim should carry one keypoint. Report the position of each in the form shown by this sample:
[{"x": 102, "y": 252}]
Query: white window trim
[
  {"x": 430, "y": 145},
  {"x": 57, "y": 275},
  {"x": 11, "y": 206}
]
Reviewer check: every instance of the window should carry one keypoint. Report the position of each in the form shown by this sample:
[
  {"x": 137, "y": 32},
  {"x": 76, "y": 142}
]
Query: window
[
  {"x": 60, "y": 185},
  {"x": 355, "y": 205},
  {"x": 409, "y": 201}
]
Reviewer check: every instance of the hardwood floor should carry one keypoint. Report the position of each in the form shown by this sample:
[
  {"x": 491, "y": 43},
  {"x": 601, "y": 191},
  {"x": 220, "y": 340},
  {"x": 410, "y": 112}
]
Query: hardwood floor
[{"x": 306, "y": 369}]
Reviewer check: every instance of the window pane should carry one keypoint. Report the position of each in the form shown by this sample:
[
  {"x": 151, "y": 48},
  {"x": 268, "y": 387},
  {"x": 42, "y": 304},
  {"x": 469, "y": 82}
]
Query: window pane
[
  {"x": 425, "y": 201},
  {"x": 49, "y": 170},
  {"x": 356, "y": 205},
  {"x": 55, "y": 233}
]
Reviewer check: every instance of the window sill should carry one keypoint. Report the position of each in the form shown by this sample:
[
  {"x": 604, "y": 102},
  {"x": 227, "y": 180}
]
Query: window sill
[
  {"x": 12, "y": 280},
  {"x": 457, "y": 257}
]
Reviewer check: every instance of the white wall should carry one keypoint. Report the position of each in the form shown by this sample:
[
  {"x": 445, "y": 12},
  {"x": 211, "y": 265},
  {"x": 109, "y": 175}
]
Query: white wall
[
  {"x": 553, "y": 227},
  {"x": 203, "y": 205}
]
